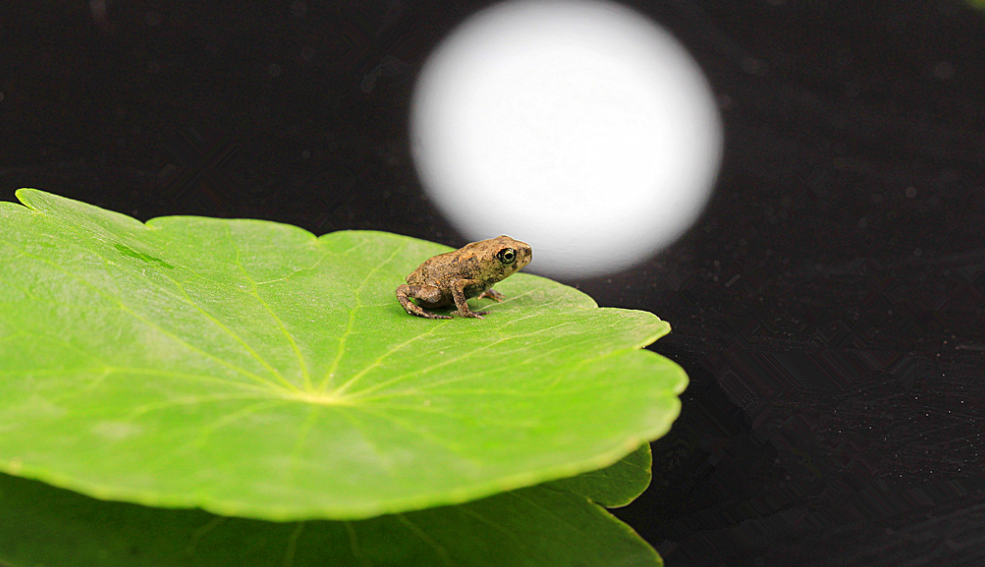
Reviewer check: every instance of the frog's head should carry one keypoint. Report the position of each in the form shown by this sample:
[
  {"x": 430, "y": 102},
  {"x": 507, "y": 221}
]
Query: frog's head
[{"x": 509, "y": 256}]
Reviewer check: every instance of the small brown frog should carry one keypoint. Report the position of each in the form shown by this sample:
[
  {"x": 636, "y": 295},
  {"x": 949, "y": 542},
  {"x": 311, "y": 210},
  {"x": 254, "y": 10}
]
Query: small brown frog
[{"x": 454, "y": 277}]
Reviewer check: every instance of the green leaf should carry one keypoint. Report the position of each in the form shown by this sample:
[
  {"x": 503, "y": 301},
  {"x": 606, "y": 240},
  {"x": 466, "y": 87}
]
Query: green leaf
[
  {"x": 252, "y": 369},
  {"x": 542, "y": 526},
  {"x": 616, "y": 485}
]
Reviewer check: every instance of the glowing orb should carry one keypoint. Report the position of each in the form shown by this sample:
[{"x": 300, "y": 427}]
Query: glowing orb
[{"x": 580, "y": 127}]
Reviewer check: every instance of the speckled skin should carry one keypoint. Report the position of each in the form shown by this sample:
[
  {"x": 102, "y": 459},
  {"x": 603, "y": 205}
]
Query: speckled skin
[{"x": 454, "y": 277}]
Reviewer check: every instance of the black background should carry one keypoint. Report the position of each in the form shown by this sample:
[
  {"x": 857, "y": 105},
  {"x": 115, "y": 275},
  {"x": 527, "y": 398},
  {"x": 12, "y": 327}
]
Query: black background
[{"x": 829, "y": 306}]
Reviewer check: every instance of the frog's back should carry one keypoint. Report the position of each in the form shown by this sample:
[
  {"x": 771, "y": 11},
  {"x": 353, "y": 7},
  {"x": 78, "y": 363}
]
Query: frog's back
[
  {"x": 430, "y": 271},
  {"x": 417, "y": 276}
]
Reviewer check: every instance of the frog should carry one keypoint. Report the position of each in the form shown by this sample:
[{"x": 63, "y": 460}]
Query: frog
[{"x": 452, "y": 278}]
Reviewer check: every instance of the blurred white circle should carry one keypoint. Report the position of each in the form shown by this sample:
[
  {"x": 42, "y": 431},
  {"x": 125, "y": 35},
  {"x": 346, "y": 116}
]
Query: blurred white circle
[{"x": 580, "y": 127}]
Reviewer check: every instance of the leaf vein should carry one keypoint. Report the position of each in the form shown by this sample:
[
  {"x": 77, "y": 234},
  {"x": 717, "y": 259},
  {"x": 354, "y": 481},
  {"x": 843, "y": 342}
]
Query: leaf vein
[{"x": 330, "y": 374}]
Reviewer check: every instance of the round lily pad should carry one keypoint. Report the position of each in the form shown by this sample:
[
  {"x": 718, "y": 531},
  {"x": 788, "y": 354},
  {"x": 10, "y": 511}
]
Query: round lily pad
[{"x": 252, "y": 369}]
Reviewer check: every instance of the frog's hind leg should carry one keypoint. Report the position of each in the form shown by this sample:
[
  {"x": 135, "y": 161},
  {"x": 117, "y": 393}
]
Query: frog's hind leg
[{"x": 426, "y": 293}]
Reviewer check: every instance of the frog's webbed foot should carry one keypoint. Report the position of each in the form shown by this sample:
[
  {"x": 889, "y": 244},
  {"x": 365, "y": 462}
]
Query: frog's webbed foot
[
  {"x": 492, "y": 294},
  {"x": 424, "y": 293}
]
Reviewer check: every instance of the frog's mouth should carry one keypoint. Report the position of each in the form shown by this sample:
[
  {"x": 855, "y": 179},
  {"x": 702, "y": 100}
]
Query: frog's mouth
[{"x": 524, "y": 257}]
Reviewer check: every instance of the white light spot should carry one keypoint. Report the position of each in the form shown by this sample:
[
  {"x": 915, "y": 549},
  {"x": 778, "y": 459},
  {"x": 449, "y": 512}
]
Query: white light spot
[{"x": 580, "y": 127}]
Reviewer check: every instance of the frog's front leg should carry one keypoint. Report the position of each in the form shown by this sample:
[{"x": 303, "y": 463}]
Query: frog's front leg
[
  {"x": 492, "y": 294},
  {"x": 458, "y": 294},
  {"x": 426, "y": 293}
]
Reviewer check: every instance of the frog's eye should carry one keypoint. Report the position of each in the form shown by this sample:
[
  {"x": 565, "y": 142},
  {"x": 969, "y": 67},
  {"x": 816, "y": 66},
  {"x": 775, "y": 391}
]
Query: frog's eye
[{"x": 507, "y": 256}]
